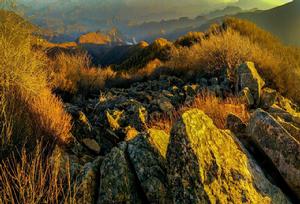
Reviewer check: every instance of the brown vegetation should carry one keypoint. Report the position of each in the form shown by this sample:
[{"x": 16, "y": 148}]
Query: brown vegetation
[
  {"x": 35, "y": 180},
  {"x": 235, "y": 41},
  {"x": 216, "y": 108}
]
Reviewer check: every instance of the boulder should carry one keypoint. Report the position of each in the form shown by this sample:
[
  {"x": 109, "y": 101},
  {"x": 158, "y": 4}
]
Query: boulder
[
  {"x": 203, "y": 166},
  {"x": 235, "y": 124},
  {"x": 117, "y": 181},
  {"x": 246, "y": 97},
  {"x": 268, "y": 97},
  {"x": 292, "y": 129},
  {"x": 146, "y": 153},
  {"x": 87, "y": 183},
  {"x": 277, "y": 143},
  {"x": 247, "y": 76},
  {"x": 191, "y": 90},
  {"x": 128, "y": 113}
]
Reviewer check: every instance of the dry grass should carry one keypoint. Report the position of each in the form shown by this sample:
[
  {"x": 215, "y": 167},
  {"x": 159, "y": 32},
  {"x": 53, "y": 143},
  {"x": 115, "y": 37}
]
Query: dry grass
[
  {"x": 73, "y": 73},
  {"x": 235, "y": 42},
  {"x": 28, "y": 109},
  {"x": 217, "y": 109},
  {"x": 34, "y": 180}
]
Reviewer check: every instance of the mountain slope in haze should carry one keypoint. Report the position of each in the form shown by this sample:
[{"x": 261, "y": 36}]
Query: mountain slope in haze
[{"x": 282, "y": 21}]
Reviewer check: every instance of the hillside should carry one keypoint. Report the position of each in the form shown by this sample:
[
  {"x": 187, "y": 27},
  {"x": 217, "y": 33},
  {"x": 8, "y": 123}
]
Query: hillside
[
  {"x": 283, "y": 21},
  {"x": 211, "y": 117}
]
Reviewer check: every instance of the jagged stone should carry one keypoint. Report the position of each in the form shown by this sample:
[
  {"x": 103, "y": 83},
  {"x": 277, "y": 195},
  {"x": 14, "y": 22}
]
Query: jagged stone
[
  {"x": 247, "y": 76},
  {"x": 292, "y": 129},
  {"x": 146, "y": 153},
  {"x": 117, "y": 181},
  {"x": 246, "y": 97},
  {"x": 87, "y": 183},
  {"x": 268, "y": 97},
  {"x": 208, "y": 165},
  {"x": 113, "y": 119},
  {"x": 191, "y": 90},
  {"x": 235, "y": 124},
  {"x": 278, "y": 145}
]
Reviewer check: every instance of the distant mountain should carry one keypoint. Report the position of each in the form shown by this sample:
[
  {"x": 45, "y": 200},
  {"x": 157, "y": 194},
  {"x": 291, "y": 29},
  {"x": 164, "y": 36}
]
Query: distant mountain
[
  {"x": 282, "y": 21},
  {"x": 172, "y": 29},
  {"x": 229, "y": 10},
  {"x": 111, "y": 37}
]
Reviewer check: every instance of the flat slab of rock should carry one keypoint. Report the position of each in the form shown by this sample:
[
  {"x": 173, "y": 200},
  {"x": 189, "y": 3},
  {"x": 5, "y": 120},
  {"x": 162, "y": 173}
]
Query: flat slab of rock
[
  {"x": 208, "y": 165},
  {"x": 277, "y": 143}
]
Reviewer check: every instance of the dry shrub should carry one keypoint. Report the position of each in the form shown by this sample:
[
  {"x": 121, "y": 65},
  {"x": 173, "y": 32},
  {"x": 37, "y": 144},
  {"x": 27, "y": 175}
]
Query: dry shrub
[
  {"x": 65, "y": 71},
  {"x": 226, "y": 50},
  {"x": 93, "y": 79},
  {"x": 28, "y": 110},
  {"x": 49, "y": 117},
  {"x": 279, "y": 65},
  {"x": 73, "y": 73},
  {"x": 217, "y": 109},
  {"x": 35, "y": 180}
]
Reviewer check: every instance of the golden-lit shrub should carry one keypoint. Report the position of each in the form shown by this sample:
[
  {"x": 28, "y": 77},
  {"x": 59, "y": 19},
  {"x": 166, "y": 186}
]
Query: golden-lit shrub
[
  {"x": 35, "y": 180},
  {"x": 217, "y": 109},
  {"x": 73, "y": 73},
  {"x": 279, "y": 65},
  {"x": 226, "y": 50},
  {"x": 25, "y": 98},
  {"x": 93, "y": 79},
  {"x": 65, "y": 71},
  {"x": 190, "y": 39}
]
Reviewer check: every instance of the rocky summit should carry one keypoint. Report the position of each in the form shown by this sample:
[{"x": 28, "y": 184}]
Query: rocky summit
[
  {"x": 115, "y": 110},
  {"x": 124, "y": 159}
]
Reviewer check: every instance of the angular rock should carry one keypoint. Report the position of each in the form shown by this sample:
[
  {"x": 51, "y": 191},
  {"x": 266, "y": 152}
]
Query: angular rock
[
  {"x": 235, "y": 124},
  {"x": 268, "y": 97},
  {"x": 146, "y": 153},
  {"x": 208, "y": 165},
  {"x": 292, "y": 129},
  {"x": 247, "y": 76},
  {"x": 117, "y": 181},
  {"x": 246, "y": 97},
  {"x": 191, "y": 90},
  {"x": 87, "y": 182},
  {"x": 278, "y": 145}
]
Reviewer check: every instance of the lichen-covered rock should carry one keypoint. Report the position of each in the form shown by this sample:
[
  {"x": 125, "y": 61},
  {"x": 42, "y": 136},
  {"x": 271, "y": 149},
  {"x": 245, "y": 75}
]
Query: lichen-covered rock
[
  {"x": 146, "y": 153},
  {"x": 87, "y": 182},
  {"x": 117, "y": 182},
  {"x": 278, "y": 145},
  {"x": 208, "y": 165},
  {"x": 247, "y": 76}
]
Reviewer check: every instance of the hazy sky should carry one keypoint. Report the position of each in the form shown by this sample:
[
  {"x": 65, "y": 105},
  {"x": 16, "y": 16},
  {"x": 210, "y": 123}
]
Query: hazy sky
[{"x": 144, "y": 10}]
